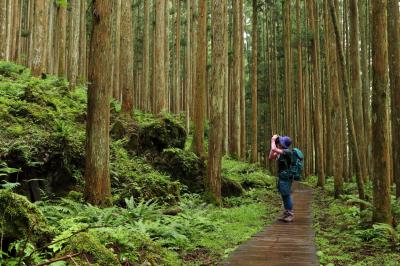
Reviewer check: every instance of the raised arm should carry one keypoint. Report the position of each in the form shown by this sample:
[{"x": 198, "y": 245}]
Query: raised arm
[{"x": 275, "y": 151}]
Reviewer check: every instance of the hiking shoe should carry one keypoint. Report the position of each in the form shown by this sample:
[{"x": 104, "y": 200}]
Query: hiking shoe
[
  {"x": 289, "y": 217},
  {"x": 283, "y": 216}
]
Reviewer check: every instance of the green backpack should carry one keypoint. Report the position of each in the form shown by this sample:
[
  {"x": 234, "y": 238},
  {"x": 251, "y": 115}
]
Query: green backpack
[
  {"x": 294, "y": 170},
  {"x": 297, "y": 164}
]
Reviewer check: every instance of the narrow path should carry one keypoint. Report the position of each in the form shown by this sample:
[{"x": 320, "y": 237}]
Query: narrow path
[{"x": 282, "y": 244}]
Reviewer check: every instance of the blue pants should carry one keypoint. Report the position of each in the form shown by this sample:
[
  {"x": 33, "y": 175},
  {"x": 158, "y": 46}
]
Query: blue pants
[{"x": 287, "y": 202}]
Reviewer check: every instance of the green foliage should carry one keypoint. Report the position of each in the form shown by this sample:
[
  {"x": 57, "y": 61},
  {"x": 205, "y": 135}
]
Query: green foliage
[
  {"x": 248, "y": 175},
  {"x": 345, "y": 235}
]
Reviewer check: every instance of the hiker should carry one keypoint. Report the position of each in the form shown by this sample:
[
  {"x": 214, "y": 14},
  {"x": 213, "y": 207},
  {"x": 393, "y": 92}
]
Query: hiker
[{"x": 280, "y": 151}]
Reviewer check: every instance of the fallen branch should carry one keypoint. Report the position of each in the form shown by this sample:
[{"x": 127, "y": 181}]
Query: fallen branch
[{"x": 69, "y": 256}]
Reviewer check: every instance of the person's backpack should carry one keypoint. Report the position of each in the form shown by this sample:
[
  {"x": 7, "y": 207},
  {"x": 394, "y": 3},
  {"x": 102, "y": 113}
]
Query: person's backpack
[{"x": 297, "y": 165}]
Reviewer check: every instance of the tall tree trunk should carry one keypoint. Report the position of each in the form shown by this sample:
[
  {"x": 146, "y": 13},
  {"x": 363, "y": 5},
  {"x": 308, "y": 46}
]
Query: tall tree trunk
[
  {"x": 74, "y": 42},
  {"x": 254, "y": 52},
  {"x": 177, "y": 83},
  {"x": 3, "y": 29},
  {"x": 146, "y": 57},
  {"x": 62, "y": 37},
  {"x": 97, "y": 177},
  {"x": 219, "y": 53},
  {"x": 394, "y": 72},
  {"x": 380, "y": 132},
  {"x": 226, "y": 91},
  {"x": 188, "y": 66},
  {"x": 160, "y": 64},
  {"x": 334, "y": 112},
  {"x": 301, "y": 108},
  {"x": 201, "y": 89},
  {"x": 356, "y": 85},
  {"x": 347, "y": 98},
  {"x": 83, "y": 43},
  {"x": 243, "y": 137},
  {"x": 116, "y": 92},
  {"x": 317, "y": 94},
  {"x": 40, "y": 39},
  {"x": 287, "y": 29},
  {"x": 126, "y": 64},
  {"x": 235, "y": 136},
  {"x": 362, "y": 7}
]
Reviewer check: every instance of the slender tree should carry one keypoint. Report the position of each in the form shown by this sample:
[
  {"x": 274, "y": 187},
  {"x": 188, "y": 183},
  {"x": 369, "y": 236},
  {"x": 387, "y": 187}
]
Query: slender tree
[
  {"x": 40, "y": 38},
  {"x": 146, "y": 57},
  {"x": 356, "y": 84},
  {"x": 347, "y": 98},
  {"x": 319, "y": 150},
  {"x": 62, "y": 37},
  {"x": 97, "y": 177},
  {"x": 235, "y": 133},
  {"x": 201, "y": 89},
  {"x": 160, "y": 63},
  {"x": 3, "y": 29},
  {"x": 380, "y": 132},
  {"x": 219, "y": 53},
  {"x": 74, "y": 42},
  {"x": 126, "y": 64},
  {"x": 394, "y": 72},
  {"x": 254, "y": 52}
]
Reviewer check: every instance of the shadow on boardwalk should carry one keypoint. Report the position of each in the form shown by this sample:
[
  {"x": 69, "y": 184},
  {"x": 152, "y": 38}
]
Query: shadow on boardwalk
[{"x": 282, "y": 243}]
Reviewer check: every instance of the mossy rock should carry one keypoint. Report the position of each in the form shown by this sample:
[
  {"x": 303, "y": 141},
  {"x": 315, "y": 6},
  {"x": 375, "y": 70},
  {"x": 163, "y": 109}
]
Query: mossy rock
[
  {"x": 183, "y": 166},
  {"x": 231, "y": 188},
  {"x": 163, "y": 133},
  {"x": 151, "y": 186},
  {"x": 92, "y": 249},
  {"x": 21, "y": 219}
]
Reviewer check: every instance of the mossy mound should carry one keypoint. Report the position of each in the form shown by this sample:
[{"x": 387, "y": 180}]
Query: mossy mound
[
  {"x": 154, "y": 134},
  {"x": 184, "y": 166},
  {"x": 20, "y": 219},
  {"x": 231, "y": 188},
  {"x": 41, "y": 130},
  {"x": 92, "y": 250}
]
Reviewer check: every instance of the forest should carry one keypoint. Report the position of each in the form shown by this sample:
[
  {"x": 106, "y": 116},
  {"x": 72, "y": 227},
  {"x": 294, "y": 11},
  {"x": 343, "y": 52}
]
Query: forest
[{"x": 138, "y": 132}]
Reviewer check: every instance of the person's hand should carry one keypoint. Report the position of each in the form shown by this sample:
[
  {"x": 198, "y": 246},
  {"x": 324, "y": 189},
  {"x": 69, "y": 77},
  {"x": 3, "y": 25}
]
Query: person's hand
[{"x": 274, "y": 137}]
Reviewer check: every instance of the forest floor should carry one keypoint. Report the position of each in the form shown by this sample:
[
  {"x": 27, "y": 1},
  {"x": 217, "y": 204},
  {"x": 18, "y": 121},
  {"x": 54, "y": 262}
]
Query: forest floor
[{"x": 346, "y": 236}]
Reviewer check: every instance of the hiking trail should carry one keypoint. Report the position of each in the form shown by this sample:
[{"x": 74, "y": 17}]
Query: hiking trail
[{"x": 282, "y": 243}]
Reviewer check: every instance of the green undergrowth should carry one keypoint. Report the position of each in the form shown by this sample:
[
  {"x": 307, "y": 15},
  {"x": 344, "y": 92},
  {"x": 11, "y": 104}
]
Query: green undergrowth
[
  {"x": 346, "y": 236},
  {"x": 145, "y": 232},
  {"x": 157, "y": 218}
]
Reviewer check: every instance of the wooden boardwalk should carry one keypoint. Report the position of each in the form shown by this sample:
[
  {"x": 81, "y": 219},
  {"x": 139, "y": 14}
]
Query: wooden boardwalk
[{"x": 283, "y": 244}]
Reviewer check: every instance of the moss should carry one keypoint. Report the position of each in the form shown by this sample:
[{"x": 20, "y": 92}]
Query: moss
[
  {"x": 231, "y": 188},
  {"x": 21, "y": 219},
  {"x": 184, "y": 166},
  {"x": 92, "y": 248},
  {"x": 161, "y": 134}
]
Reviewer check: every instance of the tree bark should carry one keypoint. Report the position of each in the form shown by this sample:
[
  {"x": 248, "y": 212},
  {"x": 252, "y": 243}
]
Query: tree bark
[
  {"x": 3, "y": 29},
  {"x": 201, "y": 89},
  {"x": 236, "y": 122},
  {"x": 347, "y": 98},
  {"x": 254, "y": 52},
  {"x": 243, "y": 137},
  {"x": 74, "y": 42},
  {"x": 62, "y": 37},
  {"x": 380, "y": 132},
  {"x": 394, "y": 72},
  {"x": 356, "y": 85},
  {"x": 319, "y": 148},
  {"x": 160, "y": 64},
  {"x": 40, "y": 39},
  {"x": 219, "y": 53},
  {"x": 126, "y": 64},
  {"x": 97, "y": 177}
]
